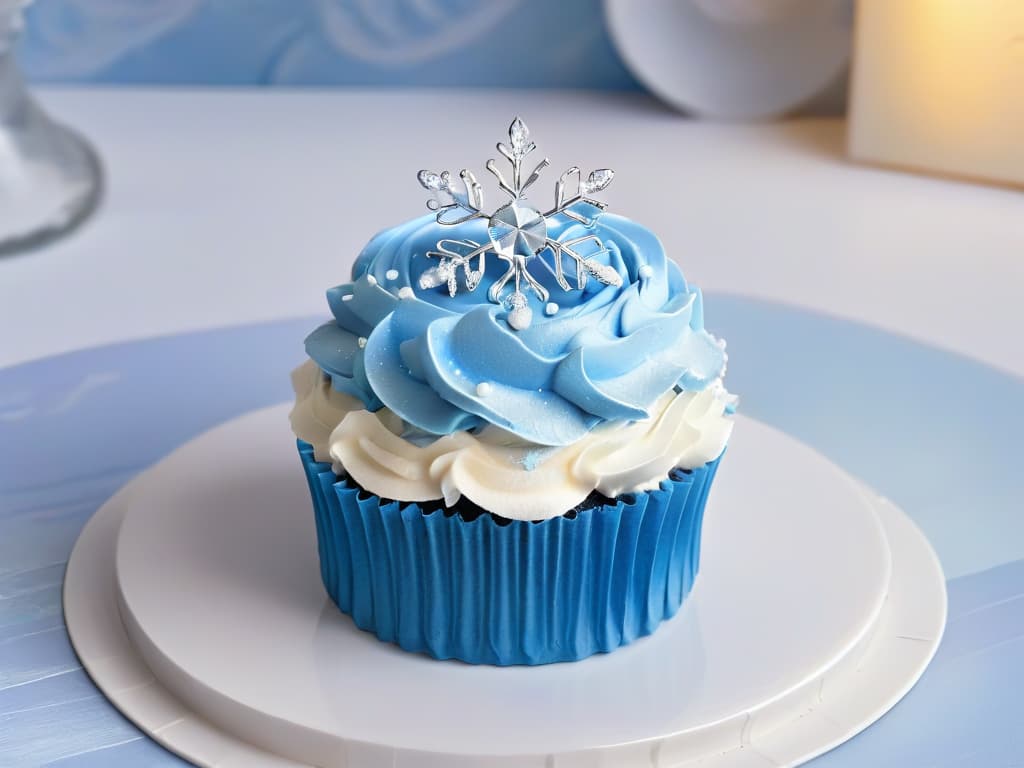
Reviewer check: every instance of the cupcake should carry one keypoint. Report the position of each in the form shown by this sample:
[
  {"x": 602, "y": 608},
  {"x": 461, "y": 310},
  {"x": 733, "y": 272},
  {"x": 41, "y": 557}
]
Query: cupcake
[{"x": 511, "y": 424}]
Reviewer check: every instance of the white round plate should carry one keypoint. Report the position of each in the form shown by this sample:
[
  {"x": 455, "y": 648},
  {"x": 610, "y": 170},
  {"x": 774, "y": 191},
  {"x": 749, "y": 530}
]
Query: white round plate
[
  {"x": 193, "y": 599},
  {"x": 733, "y": 59}
]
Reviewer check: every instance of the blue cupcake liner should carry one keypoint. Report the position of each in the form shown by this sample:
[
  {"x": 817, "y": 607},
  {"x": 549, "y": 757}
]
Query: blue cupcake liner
[{"x": 501, "y": 592}]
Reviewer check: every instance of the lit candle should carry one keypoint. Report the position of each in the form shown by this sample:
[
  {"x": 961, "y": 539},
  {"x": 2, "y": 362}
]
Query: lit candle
[{"x": 938, "y": 85}]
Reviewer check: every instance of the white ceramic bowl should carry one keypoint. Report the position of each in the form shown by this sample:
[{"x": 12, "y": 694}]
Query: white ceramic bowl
[{"x": 733, "y": 59}]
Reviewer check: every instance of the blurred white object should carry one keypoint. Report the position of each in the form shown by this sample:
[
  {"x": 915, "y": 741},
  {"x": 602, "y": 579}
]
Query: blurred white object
[
  {"x": 938, "y": 85},
  {"x": 49, "y": 178},
  {"x": 733, "y": 59}
]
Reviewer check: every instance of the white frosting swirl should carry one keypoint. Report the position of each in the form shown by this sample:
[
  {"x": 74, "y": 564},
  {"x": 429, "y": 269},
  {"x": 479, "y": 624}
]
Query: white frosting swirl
[{"x": 497, "y": 470}]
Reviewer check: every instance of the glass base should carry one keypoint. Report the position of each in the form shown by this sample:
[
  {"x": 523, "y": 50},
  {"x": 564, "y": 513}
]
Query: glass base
[{"x": 50, "y": 179}]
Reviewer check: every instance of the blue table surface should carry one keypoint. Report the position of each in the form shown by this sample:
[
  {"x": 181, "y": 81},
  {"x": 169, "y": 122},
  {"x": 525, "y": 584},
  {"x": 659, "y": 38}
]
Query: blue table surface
[{"x": 937, "y": 433}]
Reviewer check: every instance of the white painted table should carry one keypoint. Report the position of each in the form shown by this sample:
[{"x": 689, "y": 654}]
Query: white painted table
[{"x": 228, "y": 207}]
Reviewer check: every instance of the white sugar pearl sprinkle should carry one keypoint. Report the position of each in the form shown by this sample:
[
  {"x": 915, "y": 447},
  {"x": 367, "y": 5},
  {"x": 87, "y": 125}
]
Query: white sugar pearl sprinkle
[
  {"x": 391, "y": 274},
  {"x": 483, "y": 389},
  {"x": 361, "y": 341},
  {"x": 347, "y": 297},
  {"x": 646, "y": 271},
  {"x": 405, "y": 292},
  {"x": 371, "y": 279},
  {"x": 550, "y": 308}
]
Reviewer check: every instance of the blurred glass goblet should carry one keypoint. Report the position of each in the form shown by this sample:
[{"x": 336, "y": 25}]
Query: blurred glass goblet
[{"x": 49, "y": 177}]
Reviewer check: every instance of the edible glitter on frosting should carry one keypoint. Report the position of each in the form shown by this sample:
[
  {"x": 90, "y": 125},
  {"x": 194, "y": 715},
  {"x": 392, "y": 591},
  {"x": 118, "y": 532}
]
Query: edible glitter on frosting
[{"x": 607, "y": 355}]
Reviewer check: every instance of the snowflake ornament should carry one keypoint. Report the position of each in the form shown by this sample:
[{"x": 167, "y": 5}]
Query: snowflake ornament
[{"x": 517, "y": 230}]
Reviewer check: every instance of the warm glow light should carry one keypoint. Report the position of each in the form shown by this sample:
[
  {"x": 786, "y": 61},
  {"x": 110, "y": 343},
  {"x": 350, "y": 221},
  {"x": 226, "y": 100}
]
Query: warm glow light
[{"x": 939, "y": 85}]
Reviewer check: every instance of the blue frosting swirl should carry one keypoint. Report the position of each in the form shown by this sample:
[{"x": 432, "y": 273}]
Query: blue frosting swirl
[{"x": 607, "y": 354}]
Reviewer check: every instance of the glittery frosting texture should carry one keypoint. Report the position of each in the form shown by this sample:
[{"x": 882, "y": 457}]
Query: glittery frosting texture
[
  {"x": 446, "y": 364},
  {"x": 520, "y": 592}
]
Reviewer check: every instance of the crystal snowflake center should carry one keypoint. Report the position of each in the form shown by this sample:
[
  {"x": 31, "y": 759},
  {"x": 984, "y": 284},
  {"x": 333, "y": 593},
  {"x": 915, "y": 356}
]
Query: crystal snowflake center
[{"x": 518, "y": 229}]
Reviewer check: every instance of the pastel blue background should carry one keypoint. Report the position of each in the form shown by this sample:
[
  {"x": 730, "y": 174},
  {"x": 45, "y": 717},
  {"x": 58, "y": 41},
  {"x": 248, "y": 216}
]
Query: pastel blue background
[
  {"x": 530, "y": 43},
  {"x": 940, "y": 438}
]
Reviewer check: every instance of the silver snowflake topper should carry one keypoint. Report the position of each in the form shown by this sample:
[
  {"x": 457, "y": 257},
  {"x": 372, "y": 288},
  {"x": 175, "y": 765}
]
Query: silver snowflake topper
[{"x": 518, "y": 232}]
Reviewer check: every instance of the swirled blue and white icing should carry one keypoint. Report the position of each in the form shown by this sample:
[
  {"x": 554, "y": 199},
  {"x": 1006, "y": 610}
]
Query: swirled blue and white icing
[
  {"x": 420, "y": 395},
  {"x": 447, "y": 364}
]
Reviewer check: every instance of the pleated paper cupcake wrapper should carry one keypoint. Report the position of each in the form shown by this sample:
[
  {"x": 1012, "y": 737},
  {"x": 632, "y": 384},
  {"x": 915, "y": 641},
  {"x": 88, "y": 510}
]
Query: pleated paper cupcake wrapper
[{"x": 509, "y": 592}]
